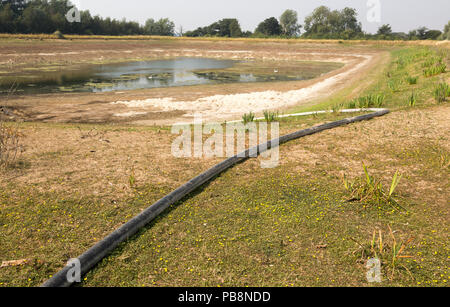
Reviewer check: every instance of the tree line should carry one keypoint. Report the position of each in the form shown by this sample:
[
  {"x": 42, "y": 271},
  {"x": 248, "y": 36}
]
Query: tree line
[{"x": 48, "y": 16}]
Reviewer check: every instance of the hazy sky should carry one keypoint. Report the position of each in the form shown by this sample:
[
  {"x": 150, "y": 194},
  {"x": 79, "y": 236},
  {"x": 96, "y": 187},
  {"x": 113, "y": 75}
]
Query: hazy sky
[{"x": 403, "y": 15}]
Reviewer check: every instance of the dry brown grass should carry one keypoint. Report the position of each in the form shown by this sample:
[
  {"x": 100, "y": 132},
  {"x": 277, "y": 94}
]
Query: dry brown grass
[
  {"x": 10, "y": 144},
  {"x": 154, "y": 37}
]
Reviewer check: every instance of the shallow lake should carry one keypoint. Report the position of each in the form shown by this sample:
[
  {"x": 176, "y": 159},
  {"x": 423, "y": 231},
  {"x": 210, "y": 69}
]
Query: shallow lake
[{"x": 138, "y": 75}]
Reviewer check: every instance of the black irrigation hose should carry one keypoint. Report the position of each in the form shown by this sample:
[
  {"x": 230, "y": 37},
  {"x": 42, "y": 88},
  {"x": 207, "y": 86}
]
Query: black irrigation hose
[{"x": 96, "y": 253}]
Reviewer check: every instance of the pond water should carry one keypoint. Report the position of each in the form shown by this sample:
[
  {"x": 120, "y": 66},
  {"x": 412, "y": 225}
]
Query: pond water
[{"x": 134, "y": 75}]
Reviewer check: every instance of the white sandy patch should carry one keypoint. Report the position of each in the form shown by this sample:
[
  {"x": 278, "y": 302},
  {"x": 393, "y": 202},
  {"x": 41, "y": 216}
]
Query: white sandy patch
[
  {"x": 225, "y": 106},
  {"x": 130, "y": 114}
]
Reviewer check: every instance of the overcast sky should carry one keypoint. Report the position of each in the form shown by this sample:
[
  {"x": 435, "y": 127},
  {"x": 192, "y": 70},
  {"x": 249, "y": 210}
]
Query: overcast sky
[{"x": 402, "y": 15}]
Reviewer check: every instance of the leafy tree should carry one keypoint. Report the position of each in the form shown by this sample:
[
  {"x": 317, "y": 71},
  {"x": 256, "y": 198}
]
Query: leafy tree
[
  {"x": 228, "y": 27},
  {"x": 349, "y": 20},
  {"x": 424, "y": 33},
  {"x": 6, "y": 19},
  {"x": 269, "y": 27},
  {"x": 150, "y": 27},
  {"x": 318, "y": 23},
  {"x": 385, "y": 30},
  {"x": 36, "y": 20},
  {"x": 421, "y": 33},
  {"x": 446, "y": 33},
  {"x": 289, "y": 23},
  {"x": 325, "y": 23},
  {"x": 165, "y": 27},
  {"x": 433, "y": 34},
  {"x": 15, "y": 5},
  {"x": 235, "y": 28},
  {"x": 46, "y": 16}
]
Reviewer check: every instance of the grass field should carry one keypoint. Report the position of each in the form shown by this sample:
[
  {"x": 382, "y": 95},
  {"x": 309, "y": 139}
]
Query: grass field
[{"x": 295, "y": 225}]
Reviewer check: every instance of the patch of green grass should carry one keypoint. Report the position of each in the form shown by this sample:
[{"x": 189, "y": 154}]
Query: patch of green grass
[
  {"x": 394, "y": 85},
  {"x": 388, "y": 81}
]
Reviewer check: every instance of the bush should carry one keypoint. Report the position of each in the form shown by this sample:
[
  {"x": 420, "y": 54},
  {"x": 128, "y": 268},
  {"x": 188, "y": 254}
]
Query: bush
[{"x": 59, "y": 35}]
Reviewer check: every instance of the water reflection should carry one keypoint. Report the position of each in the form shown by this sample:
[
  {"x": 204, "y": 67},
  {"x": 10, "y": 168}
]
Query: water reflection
[{"x": 133, "y": 75}]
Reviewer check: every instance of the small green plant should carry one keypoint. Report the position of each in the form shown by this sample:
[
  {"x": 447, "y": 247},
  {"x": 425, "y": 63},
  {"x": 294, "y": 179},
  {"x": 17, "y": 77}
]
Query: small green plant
[
  {"x": 271, "y": 116},
  {"x": 132, "y": 179},
  {"x": 369, "y": 101},
  {"x": 412, "y": 99},
  {"x": 337, "y": 107},
  {"x": 248, "y": 118},
  {"x": 352, "y": 104},
  {"x": 441, "y": 92},
  {"x": 411, "y": 80},
  {"x": 369, "y": 190},
  {"x": 394, "y": 85}
]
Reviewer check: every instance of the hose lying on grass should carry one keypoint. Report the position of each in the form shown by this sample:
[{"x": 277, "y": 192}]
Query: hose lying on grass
[{"x": 96, "y": 253}]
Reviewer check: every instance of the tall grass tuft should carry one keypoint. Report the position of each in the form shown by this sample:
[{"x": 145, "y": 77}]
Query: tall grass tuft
[
  {"x": 388, "y": 249},
  {"x": 369, "y": 101},
  {"x": 412, "y": 99},
  {"x": 441, "y": 92},
  {"x": 369, "y": 190},
  {"x": 248, "y": 118},
  {"x": 10, "y": 144},
  {"x": 435, "y": 70},
  {"x": 271, "y": 116}
]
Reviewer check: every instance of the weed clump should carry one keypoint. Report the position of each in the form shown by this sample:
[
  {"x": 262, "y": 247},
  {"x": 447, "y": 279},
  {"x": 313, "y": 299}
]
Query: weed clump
[
  {"x": 369, "y": 101},
  {"x": 271, "y": 116},
  {"x": 412, "y": 99},
  {"x": 441, "y": 92},
  {"x": 248, "y": 118},
  {"x": 388, "y": 251},
  {"x": 369, "y": 190},
  {"x": 435, "y": 70},
  {"x": 394, "y": 86},
  {"x": 411, "y": 80},
  {"x": 10, "y": 144}
]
